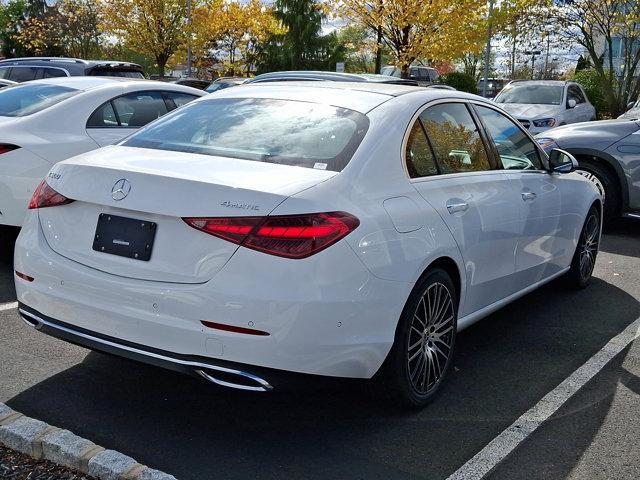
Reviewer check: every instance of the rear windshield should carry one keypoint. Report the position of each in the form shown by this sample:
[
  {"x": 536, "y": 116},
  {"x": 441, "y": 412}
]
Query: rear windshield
[
  {"x": 261, "y": 130},
  {"x": 23, "y": 100},
  {"x": 114, "y": 72}
]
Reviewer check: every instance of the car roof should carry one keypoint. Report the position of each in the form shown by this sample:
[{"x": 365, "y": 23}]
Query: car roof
[
  {"x": 66, "y": 60},
  {"x": 359, "y": 96},
  {"x": 91, "y": 83},
  {"x": 540, "y": 82}
]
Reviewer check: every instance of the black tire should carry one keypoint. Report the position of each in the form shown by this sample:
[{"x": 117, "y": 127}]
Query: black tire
[
  {"x": 610, "y": 187},
  {"x": 401, "y": 377},
  {"x": 584, "y": 258}
]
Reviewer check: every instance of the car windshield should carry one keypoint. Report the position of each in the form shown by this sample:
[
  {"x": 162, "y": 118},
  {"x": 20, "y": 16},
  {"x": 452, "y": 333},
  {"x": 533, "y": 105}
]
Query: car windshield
[
  {"x": 215, "y": 86},
  {"x": 23, "y": 100},
  {"x": 533, "y": 94},
  {"x": 285, "y": 132}
]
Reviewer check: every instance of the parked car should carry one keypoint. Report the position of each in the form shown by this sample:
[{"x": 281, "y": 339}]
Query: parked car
[
  {"x": 316, "y": 76},
  {"x": 45, "y": 121},
  {"x": 542, "y": 104},
  {"x": 6, "y": 83},
  {"x": 633, "y": 110},
  {"x": 192, "y": 82},
  {"x": 34, "y": 68},
  {"x": 224, "y": 82},
  {"x": 494, "y": 85},
  {"x": 421, "y": 74},
  {"x": 334, "y": 229},
  {"x": 608, "y": 152}
]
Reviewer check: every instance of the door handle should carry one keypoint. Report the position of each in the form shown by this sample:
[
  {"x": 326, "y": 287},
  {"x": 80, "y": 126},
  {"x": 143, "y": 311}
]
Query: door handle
[
  {"x": 457, "y": 207},
  {"x": 528, "y": 196}
]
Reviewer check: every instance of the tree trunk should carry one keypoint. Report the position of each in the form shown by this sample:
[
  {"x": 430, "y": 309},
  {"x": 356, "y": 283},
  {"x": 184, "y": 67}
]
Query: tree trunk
[{"x": 378, "y": 50}]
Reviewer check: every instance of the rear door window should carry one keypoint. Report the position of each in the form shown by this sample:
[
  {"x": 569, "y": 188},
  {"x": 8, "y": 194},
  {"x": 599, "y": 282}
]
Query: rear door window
[
  {"x": 137, "y": 109},
  {"x": 455, "y": 138},
  {"x": 24, "y": 74},
  {"x": 285, "y": 132},
  {"x": 179, "y": 99}
]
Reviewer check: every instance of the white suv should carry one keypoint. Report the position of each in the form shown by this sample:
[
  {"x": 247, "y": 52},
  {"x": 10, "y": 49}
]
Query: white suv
[{"x": 542, "y": 104}]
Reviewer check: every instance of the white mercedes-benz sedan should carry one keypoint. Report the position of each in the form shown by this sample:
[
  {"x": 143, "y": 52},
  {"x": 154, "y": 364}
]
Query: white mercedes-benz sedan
[
  {"x": 330, "y": 229},
  {"x": 45, "y": 121}
]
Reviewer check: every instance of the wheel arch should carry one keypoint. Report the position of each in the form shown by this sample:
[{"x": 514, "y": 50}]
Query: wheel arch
[{"x": 610, "y": 163}]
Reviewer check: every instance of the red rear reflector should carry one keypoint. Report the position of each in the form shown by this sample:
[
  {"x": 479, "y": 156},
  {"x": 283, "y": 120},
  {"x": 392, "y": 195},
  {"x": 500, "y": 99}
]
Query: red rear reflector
[
  {"x": 290, "y": 236},
  {"x": 231, "y": 328},
  {"x": 24, "y": 276},
  {"x": 7, "y": 147},
  {"x": 45, "y": 196}
]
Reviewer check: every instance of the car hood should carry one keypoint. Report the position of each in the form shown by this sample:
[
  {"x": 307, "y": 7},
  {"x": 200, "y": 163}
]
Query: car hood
[
  {"x": 531, "y": 111},
  {"x": 594, "y": 135}
]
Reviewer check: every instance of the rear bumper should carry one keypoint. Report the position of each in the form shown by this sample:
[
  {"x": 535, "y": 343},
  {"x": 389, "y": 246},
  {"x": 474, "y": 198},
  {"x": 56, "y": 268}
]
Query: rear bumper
[
  {"x": 220, "y": 373},
  {"x": 326, "y": 316}
]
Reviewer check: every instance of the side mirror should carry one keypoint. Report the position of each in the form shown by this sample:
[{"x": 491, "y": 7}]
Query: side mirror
[
  {"x": 561, "y": 161},
  {"x": 571, "y": 103}
]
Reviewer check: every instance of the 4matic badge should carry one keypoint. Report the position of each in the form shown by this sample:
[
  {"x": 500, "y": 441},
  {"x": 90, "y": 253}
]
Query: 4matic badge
[{"x": 241, "y": 206}]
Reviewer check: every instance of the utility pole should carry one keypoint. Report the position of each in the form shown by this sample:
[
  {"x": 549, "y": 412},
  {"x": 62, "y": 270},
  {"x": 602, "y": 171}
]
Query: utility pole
[
  {"x": 533, "y": 54},
  {"x": 487, "y": 53},
  {"x": 546, "y": 58},
  {"x": 189, "y": 59}
]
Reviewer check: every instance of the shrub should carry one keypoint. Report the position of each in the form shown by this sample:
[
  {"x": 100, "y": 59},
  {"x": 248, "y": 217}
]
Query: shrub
[
  {"x": 460, "y": 81},
  {"x": 588, "y": 79}
]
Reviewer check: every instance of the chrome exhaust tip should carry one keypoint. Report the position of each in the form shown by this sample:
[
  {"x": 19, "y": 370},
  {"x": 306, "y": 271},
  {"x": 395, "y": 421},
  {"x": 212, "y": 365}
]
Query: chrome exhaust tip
[{"x": 222, "y": 376}]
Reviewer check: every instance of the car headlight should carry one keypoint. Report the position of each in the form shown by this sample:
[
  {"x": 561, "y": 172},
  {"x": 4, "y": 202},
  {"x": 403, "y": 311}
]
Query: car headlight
[
  {"x": 547, "y": 144},
  {"x": 544, "y": 122}
]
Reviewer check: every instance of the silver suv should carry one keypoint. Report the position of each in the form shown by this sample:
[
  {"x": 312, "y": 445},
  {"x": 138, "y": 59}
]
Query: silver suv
[{"x": 423, "y": 75}]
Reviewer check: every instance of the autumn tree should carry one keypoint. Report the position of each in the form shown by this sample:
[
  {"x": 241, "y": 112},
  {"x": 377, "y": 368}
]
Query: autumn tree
[
  {"x": 598, "y": 26},
  {"x": 233, "y": 32},
  {"x": 416, "y": 29},
  {"x": 156, "y": 28},
  {"x": 80, "y": 27}
]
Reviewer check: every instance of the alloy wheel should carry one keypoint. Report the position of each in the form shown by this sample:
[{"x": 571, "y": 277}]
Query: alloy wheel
[
  {"x": 588, "y": 248},
  {"x": 430, "y": 340}
]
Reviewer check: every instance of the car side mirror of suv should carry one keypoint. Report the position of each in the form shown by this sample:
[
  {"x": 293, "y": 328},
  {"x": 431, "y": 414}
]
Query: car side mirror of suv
[
  {"x": 561, "y": 161},
  {"x": 571, "y": 103}
]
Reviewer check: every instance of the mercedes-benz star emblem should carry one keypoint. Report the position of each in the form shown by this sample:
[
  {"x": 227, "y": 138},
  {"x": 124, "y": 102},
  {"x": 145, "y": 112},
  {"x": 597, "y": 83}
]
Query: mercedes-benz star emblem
[{"x": 121, "y": 189}]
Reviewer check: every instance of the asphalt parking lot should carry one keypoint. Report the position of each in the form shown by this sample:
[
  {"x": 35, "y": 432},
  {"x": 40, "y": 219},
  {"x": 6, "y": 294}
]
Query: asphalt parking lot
[{"x": 505, "y": 364}]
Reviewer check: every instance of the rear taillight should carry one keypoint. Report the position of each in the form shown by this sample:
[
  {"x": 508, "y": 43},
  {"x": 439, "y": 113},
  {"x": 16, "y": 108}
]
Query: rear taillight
[
  {"x": 290, "y": 236},
  {"x": 7, "y": 147},
  {"x": 45, "y": 196}
]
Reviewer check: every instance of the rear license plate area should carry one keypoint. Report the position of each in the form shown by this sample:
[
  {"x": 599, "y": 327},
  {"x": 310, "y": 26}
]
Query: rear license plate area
[{"x": 125, "y": 237}]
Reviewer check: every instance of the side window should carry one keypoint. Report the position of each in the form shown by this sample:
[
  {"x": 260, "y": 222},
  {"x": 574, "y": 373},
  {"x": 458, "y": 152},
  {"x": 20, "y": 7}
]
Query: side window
[
  {"x": 419, "y": 158},
  {"x": 5, "y": 72},
  {"x": 179, "y": 98},
  {"x": 455, "y": 138},
  {"x": 517, "y": 151},
  {"x": 575, "y": 94},
  {"x": 103, "y": 117},
  {"x": 23, "y": 74},
  {"x": 53, "y": 73},
  {"x": 138, "y": 109}
]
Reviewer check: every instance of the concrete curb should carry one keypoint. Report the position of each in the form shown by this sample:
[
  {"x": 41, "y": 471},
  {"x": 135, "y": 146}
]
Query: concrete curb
[{"x": 40, "y": 440}]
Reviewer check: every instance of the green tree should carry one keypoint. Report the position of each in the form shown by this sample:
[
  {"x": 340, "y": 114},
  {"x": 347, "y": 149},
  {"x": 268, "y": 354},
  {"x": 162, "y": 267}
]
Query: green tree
[
  {"x": 460, "y": 81},
  {"x": 301, "y": 46}
]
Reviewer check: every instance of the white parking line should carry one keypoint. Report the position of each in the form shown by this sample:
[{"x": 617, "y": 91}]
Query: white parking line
[
  {"x": 8, "y": 306},
  {"x": 497, "y": 450}
]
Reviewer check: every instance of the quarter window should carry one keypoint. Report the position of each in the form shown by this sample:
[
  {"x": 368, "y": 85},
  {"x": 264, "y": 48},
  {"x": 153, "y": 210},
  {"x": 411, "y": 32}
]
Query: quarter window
[
  {"x": 103, "y": 117},
  {"x": 420, "y": 161},
  {"x": 455, "y": 138},
  {"x": 516, "y": 150}
]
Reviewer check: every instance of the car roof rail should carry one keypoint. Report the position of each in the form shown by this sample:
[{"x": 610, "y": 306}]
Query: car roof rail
[{"x": 44, "y": 59}]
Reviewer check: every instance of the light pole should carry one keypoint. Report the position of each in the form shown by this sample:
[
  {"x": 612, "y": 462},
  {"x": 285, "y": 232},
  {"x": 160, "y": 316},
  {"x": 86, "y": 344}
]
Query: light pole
[
  {"x": 189, "y": 59},
  {"x": 487, "y": 53}
]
